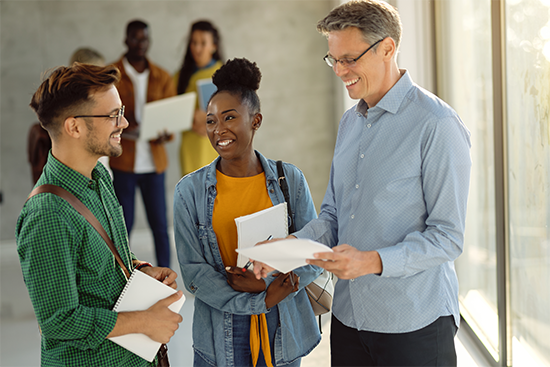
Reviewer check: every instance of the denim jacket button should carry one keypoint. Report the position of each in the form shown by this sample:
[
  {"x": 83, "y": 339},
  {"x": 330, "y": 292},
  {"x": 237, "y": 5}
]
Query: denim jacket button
[{"x": 272, "y": 191}]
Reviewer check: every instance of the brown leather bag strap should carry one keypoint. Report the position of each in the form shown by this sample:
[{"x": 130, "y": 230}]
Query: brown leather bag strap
[{"x": 86, "y": 213}]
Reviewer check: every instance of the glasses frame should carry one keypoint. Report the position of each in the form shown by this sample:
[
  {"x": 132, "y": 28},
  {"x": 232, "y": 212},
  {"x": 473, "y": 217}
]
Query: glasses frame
[
  {"x": 346, "y": 62},
  {"x": 118, "y": 116}
]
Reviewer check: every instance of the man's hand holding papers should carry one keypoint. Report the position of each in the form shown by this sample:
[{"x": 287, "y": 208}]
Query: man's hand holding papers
[
  {"x": 283, "y": 255},
  {"x": 344, "y": 261},
  {"x": 347, "y": 262}
]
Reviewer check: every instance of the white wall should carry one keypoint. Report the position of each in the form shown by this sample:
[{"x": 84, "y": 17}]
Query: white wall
[
  {"x": 417, "y": 50},
  {"x": 297, "y": 90}
]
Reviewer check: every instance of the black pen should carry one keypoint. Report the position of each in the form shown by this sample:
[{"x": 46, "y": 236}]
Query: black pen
[{"x": 245, "y": 268}]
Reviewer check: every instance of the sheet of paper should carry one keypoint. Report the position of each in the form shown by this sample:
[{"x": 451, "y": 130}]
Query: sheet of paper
[{"x": 285, "y": 255}]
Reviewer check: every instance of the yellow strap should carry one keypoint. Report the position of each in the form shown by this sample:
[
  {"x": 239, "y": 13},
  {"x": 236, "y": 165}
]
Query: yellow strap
[{"x": 258, "y": 331}]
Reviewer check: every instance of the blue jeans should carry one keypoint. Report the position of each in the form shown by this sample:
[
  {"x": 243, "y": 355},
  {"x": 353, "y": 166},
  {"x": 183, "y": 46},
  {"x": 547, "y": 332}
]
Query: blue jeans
[
  {"x": 241, "y": 342},
  {"x": 153, "y": 194}
]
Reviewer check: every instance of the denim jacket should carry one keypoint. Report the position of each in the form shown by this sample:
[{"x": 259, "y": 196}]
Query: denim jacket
[{"x": 204, "y": 273}]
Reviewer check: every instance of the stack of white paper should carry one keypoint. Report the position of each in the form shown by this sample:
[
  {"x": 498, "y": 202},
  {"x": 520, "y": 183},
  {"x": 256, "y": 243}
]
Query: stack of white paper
[{"x": 285, "y": 255}]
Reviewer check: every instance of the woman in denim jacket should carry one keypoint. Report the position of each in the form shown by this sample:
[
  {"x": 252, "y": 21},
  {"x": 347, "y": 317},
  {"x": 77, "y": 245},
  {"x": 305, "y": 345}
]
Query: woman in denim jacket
[{"x": 239, "y": 182}]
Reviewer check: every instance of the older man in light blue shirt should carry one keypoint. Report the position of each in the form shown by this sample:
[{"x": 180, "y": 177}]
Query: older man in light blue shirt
[{"x": 395, "y": 206}]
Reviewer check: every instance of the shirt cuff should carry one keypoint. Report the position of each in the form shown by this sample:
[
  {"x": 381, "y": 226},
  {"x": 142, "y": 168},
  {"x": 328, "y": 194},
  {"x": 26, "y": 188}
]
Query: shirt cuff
[
  {"x": 105, "y": 321},
  {"x": 393, "y": 262}
]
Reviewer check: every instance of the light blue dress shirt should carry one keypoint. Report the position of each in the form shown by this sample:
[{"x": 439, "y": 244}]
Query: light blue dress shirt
[{"x": 398, "y": 185}]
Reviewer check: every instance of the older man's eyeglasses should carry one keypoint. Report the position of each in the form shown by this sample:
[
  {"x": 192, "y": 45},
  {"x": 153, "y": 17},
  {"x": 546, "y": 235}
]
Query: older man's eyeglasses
[
  {"x": 347, "y": 63},
  {"x": 118, "y": 116}
]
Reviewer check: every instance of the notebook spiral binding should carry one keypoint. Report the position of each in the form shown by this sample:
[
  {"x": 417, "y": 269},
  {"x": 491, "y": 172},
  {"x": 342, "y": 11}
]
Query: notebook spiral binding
[{"x": 124, "y": 290}]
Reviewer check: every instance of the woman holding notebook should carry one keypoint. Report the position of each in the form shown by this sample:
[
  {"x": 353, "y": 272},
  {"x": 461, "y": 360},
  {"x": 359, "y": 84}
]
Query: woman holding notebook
[{"x": 239, "y": 320}]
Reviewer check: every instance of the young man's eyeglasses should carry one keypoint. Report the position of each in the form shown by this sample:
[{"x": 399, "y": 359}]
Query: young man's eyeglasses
[
  {"x": 347, "y": 63},
  {"x": 118, "y": 116}
]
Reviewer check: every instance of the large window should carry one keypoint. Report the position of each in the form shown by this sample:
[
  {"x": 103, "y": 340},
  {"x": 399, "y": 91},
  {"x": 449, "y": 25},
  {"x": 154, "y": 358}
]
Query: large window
[
  {"x": 527, "y": 110},
  {"x": 465, "y": 82},
  {"x": 505, "y": 302}
]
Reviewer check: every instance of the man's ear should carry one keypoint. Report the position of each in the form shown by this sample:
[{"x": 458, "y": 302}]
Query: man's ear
[
  {"x": 388, "y": 48},
  {"x": 257, "y": 121},
  {"x": 72, "y": 127}
]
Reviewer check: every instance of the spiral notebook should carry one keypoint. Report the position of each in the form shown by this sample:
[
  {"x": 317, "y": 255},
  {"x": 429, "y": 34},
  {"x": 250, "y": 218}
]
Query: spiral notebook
[
  {"x": 140, "y": 293},
  {"x": 257, "y": 227}
]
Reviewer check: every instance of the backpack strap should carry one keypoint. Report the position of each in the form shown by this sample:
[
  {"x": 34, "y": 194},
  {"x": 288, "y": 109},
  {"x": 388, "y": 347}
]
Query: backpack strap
[
  {"x": 284, "y": 187},
  {"x": 86, "y": 213}
]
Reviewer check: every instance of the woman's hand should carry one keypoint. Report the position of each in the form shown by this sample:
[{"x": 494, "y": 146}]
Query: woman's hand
[
  {"x": 281, "y": 287},
  {"x": 244, "y": 281}
]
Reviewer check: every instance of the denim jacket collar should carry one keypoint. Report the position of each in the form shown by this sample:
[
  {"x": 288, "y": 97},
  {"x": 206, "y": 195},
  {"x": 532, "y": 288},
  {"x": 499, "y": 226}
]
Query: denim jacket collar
[{"x": 211, "y": 179}]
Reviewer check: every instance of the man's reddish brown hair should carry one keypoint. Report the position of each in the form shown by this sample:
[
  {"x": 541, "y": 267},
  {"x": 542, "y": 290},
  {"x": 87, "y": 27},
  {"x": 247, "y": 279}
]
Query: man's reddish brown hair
[{"x": 67, "y": 92}]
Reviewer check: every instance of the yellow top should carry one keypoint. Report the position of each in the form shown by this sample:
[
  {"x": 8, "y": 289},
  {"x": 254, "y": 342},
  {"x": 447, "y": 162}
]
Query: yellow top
[
  {"x": 238, "y": 196},
  {"x": 196, "y": 150}
]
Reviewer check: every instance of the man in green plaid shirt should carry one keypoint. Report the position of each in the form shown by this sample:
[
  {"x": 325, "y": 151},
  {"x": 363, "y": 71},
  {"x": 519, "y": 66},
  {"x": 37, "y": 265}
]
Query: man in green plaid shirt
[{"x": 71, "y": 274}]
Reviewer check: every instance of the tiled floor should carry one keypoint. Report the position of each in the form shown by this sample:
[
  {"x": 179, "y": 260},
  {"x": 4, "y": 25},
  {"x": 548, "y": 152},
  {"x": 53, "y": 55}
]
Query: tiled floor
[{"x": 20, "y": 341}]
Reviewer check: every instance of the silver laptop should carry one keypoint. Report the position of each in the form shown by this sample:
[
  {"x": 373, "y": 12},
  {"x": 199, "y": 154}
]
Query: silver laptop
[{"x": 172, "y": 114}]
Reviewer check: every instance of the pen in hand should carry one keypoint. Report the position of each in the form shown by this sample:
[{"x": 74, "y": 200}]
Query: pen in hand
[
  {"x": 245, "y": 268},
  {"x": 291, "y": 276}
]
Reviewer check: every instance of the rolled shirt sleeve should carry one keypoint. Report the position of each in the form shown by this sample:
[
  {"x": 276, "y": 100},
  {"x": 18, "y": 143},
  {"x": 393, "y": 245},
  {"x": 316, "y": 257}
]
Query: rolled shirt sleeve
[{"x": 49, "y": 264}]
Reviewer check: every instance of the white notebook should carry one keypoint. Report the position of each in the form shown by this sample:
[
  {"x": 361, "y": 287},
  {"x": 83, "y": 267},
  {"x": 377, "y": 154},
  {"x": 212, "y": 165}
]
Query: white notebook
[
  {"x": 257, "y": 227},
  {"x": 140, "y": 293}
]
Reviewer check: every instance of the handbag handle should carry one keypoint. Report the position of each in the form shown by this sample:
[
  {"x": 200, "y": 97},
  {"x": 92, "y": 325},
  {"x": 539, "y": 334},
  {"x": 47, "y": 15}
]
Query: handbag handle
[
  {"x": 86, "y": 213},
  {"x": 284, "y": 188}
]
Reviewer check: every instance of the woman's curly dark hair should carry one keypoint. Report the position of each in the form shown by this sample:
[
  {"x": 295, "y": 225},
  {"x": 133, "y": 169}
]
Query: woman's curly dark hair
[{"x": 240, "y": 78}]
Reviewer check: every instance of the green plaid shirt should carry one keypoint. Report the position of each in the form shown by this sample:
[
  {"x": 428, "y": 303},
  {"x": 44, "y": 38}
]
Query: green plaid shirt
[{"x": 71, "y": 274}]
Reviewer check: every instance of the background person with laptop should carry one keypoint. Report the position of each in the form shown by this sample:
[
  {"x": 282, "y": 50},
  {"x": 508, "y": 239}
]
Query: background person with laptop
[
  {"x": 201, "y": 60},
  {"x": 143, "y": 163}
]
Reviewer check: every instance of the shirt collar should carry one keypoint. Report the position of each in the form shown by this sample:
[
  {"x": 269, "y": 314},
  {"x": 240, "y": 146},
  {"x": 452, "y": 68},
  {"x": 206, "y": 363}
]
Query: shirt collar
[
  {"x": 270, "y": 175},
  {"x": 67, "y": 177},
  {"x": 130, "y": 70},
  {"x": 393, "y": 98}
]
